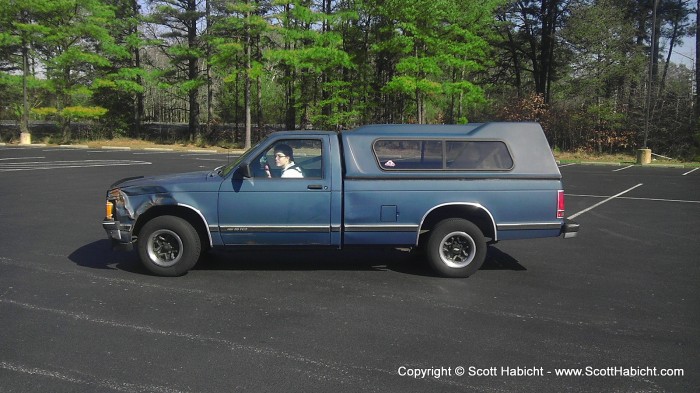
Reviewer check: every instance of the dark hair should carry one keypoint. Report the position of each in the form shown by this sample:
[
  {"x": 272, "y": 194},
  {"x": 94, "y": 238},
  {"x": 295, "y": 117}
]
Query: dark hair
[{"x": 285, "y": 149}]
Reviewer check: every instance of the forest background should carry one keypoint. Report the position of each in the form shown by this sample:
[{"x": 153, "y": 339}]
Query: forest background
[{"x": 598, "y": 74}]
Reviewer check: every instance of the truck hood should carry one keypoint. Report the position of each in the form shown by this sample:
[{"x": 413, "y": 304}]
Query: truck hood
[{"x": 202, "y": 181}]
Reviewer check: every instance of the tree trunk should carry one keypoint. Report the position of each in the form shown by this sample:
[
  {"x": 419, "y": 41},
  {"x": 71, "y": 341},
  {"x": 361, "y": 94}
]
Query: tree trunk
[
  {"x": 289, "y": 76},
  {"x": 63, "y": 102},
  {"x": 248, "y": 54},
  {"x": 138, "y": 110},
  {"x": 210, "y": 89},
  {"x": 697, "y": 66},
  {"x": 193, "y": 74},
  {"x": 24, "y": 123},
  {"x": 549, "y": 15}
]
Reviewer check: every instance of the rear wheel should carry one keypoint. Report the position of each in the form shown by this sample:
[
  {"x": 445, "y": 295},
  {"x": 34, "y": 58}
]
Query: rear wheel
[
  {"x": 169, "y": 246},
  {"x": 456, "y": 248}
]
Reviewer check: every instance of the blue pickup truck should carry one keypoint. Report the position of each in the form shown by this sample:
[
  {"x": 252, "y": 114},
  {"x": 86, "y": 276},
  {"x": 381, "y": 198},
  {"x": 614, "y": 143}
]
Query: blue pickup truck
[{"x": 447, "y": 190}]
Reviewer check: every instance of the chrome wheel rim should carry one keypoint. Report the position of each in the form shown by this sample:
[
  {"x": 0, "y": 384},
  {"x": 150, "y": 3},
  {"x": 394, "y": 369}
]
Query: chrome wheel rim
[
  {"x": 165, "y": 247},
  {"x": 457, "y": 249}
]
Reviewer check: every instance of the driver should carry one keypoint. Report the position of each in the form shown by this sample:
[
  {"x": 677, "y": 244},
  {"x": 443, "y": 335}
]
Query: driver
[{"x": 284, "y": 158}]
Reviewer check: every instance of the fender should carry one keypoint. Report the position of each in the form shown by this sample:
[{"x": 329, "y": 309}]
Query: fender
[
  {"x": 470, "y": 204},
  {"x": 189, "y": 207}
]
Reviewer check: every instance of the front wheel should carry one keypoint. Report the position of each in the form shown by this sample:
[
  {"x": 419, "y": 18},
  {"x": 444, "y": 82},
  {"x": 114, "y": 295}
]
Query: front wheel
[
  {"x": 456, "y": 248},
  {"x": 169, "y": 246}
]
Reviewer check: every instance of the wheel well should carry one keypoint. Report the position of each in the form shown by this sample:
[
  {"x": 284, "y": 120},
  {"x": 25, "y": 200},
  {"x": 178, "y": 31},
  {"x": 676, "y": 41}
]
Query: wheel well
[
  {"x": 185, "y": 213},
  {"x": 476, "y": 214}
]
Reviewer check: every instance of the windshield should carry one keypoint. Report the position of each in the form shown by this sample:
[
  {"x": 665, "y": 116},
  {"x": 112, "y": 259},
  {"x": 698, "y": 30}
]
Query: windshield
[{"x": 224, "y": 171}]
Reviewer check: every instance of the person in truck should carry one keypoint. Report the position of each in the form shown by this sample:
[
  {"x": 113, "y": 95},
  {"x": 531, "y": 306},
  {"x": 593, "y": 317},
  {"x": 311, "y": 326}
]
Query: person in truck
[{"x": 284, "y": 158}]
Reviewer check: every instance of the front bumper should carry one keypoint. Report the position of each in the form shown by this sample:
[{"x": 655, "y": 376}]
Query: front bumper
[
  {"x": 570, "y": 229},
  {"x": 119, "y": 234}
]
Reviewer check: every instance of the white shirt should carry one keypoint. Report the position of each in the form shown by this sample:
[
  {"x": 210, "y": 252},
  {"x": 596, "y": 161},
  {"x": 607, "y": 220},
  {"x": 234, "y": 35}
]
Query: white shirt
[{"x": 292, "y": 171}]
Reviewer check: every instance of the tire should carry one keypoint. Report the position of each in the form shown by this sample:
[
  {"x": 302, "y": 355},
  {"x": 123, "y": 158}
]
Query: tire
[
  {"x": 169, "y": 246},
  {"x": 456, "y": 248}
]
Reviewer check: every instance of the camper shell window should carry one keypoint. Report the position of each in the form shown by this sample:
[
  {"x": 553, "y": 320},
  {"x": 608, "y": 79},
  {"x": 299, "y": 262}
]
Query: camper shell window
[{"x": 440, "y": 155}]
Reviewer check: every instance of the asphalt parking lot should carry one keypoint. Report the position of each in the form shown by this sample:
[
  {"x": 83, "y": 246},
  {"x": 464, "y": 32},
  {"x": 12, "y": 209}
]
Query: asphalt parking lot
[{"x": 619, "y": 304}]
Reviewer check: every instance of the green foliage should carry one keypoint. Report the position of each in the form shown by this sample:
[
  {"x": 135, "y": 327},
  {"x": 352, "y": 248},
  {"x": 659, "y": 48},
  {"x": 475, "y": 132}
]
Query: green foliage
[
  {"x": 580, "y": 67},
  {"x": 45, "y": 112},
  {"x": 77, "y": 113},
  {"x": 433, "y": 39}
]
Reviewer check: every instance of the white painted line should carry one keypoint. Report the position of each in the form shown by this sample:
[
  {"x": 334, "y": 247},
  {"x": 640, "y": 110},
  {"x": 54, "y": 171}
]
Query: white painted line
[
  {"x": 622, "y": 169},
  {"x": 93, "y": 381},
  {"x": 197, "y": 155},
  {"x": 632, "y": 198},
  {"x": 561, "y": 166},
  {"x": 44, "y": 165},
  {"x": 689, "y": 172},
  {"x": 21, "y": 158},
  {"x": 196, "y": 338},
  {"x": 604, "y": 201}
]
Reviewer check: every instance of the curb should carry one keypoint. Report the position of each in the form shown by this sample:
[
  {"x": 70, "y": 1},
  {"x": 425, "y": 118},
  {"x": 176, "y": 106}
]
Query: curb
[
  {"x": 115, "y": 148},
  {"x": 603, "y": 163},
  {"x": 157, "y": 149},
  {"x": 74, "y": 146},
  {"x": 666, "y": 165}
]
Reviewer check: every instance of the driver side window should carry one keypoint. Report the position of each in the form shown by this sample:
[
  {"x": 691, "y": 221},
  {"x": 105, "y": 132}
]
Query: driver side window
[{"x": 290, "y": 159}]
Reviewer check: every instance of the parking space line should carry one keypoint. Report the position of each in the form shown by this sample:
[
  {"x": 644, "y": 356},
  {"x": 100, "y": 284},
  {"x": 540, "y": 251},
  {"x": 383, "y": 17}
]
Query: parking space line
[
  {"x": 44, "y": 165},
  {"x": 85, "y": 379},
  {"x": 689, "y": 172},
  {"x": 604, "y": 201},
  {"x": 622, "y": 169},
  {"x": 21, "y": 158},
  {"x": 633, "y": 198},
  {"x": 561, "y": 166}
]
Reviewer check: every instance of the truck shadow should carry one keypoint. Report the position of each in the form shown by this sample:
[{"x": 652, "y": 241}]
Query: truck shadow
[
  {"x": 99, "y": 255},
  {"x": 353, "y": 259}
]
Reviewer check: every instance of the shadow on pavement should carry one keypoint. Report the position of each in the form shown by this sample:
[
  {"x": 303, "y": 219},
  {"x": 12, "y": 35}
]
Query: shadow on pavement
[{"x": 99, "y": 255}]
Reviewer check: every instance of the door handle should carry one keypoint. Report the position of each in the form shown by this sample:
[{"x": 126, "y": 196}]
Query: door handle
[{"x": 315, "y": 187}]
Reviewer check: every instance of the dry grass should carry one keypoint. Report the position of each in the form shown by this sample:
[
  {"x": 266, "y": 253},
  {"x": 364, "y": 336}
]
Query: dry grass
[
  {"x": 582, "y": 156},
  {"x": 140, "y": 144}
]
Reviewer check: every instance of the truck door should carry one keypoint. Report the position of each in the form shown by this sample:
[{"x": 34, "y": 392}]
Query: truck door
[{"x": 287, "y": 201}]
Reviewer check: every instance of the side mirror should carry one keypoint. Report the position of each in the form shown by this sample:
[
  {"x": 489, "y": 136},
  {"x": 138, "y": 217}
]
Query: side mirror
[{"x": 244, "y": 171}]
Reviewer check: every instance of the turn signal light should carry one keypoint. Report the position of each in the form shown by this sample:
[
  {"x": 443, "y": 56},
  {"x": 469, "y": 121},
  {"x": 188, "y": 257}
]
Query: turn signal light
[{"x": 109, "y": 210}]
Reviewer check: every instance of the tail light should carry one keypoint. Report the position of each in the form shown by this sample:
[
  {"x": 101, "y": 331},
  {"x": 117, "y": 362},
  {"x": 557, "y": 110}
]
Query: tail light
[{"x": 560, "y": 204}]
